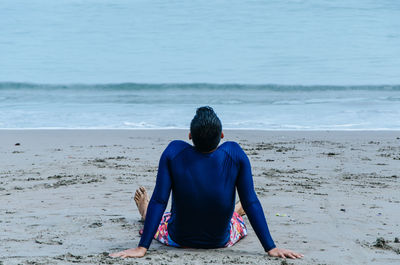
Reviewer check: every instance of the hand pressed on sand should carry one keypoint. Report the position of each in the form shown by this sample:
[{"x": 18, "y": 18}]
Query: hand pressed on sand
[
  {"x": 284, "y": 253},
  {"x": 130, "y": 253}
]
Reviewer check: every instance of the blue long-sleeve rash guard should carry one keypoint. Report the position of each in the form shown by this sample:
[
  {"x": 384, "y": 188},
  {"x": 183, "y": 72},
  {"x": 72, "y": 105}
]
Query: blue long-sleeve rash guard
[{"x": 203, "y": 196}]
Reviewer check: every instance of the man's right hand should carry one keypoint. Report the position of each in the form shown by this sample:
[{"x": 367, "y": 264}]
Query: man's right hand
[
  {"x": 284, "y": 253},
  {"x": 130, "y": 253}
]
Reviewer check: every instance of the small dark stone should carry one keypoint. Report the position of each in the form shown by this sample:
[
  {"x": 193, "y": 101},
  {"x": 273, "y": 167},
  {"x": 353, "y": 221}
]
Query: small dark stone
[
  {"x": 95, "y": 225},
  {"x": 380, "y": 243}
]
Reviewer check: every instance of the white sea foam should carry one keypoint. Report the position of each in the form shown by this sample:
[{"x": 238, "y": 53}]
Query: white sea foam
[{"x": 139, "y": 125}]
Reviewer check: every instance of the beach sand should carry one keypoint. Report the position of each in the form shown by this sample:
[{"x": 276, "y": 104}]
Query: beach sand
[{"x": 66, "y": 196}]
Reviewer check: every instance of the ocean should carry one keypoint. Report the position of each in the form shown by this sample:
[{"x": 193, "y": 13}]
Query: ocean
[
  {"x": 139, "y": 106},
  {"x": 274, "y": 65}
]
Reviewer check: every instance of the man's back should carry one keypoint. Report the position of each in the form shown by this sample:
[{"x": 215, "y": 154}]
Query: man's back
[{"x": 203, "y": 184}]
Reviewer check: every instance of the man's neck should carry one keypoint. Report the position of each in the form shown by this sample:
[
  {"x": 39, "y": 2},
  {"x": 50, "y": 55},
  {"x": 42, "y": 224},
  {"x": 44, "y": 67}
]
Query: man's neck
[{"x": 210, "y": 151}]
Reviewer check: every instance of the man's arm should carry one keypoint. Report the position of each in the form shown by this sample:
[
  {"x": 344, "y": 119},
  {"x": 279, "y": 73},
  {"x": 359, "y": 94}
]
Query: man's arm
[
  {"x": 158, "y": 201},
  {"x": 155, "y": 210},
  {"x": 250, "y": 202},
  {"x": 254, "y": 211}
]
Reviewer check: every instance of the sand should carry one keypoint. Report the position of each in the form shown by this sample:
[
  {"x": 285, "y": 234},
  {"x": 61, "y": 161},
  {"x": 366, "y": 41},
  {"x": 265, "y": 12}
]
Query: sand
[{"x": 66, "y": 196}]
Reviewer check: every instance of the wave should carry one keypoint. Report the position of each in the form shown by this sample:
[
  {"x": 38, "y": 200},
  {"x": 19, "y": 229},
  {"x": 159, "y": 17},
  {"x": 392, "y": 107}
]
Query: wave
[{"x": 196, "y": 86}]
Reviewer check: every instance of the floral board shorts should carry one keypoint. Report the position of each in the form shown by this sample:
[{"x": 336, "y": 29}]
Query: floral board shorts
[{"x": 238, "y": 231}]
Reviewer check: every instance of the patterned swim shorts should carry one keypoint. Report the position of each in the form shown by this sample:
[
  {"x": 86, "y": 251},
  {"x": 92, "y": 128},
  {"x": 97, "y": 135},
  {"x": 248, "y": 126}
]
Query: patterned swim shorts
[{"x": 238, "y": 231}]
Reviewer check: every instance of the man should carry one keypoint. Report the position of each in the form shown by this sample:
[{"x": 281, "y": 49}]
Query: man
[{"x": 203, "y": 179}]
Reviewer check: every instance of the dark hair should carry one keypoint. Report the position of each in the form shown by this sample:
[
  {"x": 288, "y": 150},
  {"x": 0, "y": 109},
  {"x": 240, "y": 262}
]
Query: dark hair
[{"x": 206, "y": 129}]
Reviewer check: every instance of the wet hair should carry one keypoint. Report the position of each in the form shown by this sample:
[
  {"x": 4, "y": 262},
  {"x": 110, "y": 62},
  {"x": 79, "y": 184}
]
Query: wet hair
[{"x": 206, "y": 129}]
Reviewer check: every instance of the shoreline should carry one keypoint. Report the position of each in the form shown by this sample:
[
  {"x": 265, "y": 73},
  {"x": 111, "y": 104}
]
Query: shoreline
[{"x": 178, "y": 129}]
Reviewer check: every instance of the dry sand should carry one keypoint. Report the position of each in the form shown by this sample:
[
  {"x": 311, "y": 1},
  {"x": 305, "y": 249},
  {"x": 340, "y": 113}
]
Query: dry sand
[{"x": 66, "y": 196}]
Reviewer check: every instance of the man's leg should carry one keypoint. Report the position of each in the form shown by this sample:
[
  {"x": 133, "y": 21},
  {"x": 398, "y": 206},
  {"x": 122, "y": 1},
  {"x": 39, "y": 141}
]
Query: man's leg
[
  {"x": 238, "y": 228},
  {"x": 239, "y": 209},
  {"x": 142, "y": 201}
]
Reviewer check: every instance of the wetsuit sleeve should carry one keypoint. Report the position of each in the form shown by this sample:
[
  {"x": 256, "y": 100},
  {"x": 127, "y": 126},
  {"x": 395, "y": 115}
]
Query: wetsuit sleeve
[
  {"x": 158, "y": 201},
  {"x": 250, "y": 202}
]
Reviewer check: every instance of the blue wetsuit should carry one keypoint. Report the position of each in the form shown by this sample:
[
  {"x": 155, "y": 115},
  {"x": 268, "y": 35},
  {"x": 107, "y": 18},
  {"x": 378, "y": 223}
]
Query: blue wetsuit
[{"x": 203, "y": 196}]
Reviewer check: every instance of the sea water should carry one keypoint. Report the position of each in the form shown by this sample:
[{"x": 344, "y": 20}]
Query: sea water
[
  {"x": 173, "y": 106},
  {"x": 287, "y": 64}
]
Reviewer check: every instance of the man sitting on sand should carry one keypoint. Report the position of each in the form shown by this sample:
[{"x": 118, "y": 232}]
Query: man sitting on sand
[{"x": 202, "y": 179}]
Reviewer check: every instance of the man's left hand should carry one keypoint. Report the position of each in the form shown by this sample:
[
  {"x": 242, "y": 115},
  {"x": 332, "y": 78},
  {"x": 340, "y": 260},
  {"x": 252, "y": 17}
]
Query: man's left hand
[{"x": 284, "y": 253}]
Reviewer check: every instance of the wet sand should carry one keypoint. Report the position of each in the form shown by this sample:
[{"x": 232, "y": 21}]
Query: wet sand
[{"x": 66, "y": 196}]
